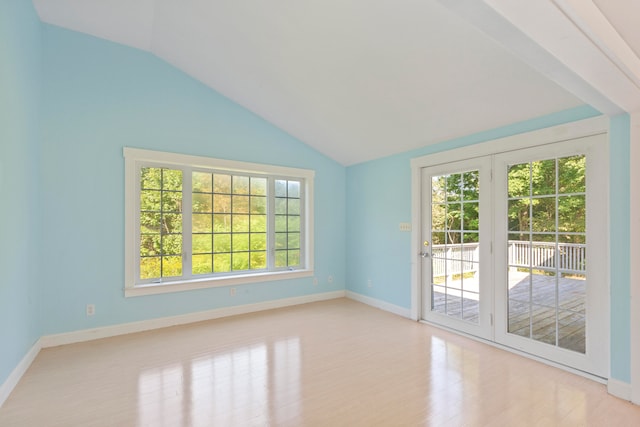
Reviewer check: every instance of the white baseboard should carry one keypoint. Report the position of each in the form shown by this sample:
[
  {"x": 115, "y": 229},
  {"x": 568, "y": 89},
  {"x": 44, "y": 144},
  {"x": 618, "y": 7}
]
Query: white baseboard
[
  {"x": 146, "y": 325},
  {"x": 383, "y": 305},
  {"x": 619, "y": 389},
  {"x": 14, "y": 377}
]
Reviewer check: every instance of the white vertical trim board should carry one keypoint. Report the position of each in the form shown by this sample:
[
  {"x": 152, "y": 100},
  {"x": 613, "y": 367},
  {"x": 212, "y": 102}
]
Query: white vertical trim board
[
  {"x": 635, "y": 257},
  {"x": 382, "y": 305},
  {"x": 14, "y": 377},
  {"x": 163, "y": 322}
]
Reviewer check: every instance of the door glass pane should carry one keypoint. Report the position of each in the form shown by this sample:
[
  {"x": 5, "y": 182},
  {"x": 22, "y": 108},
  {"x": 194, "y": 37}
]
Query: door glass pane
[
  {"x": 547, "y": 280},
  {"x": 455, "y": 244}
]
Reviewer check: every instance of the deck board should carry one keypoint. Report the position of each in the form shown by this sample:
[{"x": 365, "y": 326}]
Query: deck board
[{"x": 532, "y": 311}]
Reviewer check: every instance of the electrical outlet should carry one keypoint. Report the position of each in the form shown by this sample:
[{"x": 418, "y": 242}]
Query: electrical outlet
[
  {"x": 315, "y": 281},
  {"x": 232, "y": 292},
  {"x": 330, "y": 279},
  {"x": 369, "y": 284},
  {"x": 91, "y": 309}
]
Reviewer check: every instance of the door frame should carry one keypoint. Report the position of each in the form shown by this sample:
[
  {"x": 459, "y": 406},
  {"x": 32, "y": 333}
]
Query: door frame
[{"x": 583, "y": 128}]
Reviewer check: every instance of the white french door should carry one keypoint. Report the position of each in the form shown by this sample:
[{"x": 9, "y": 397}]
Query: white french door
[
  {"x": 456, "y": 242},
  {"x": 514, "y": 249},
  {"x": 551, "y": 252}
]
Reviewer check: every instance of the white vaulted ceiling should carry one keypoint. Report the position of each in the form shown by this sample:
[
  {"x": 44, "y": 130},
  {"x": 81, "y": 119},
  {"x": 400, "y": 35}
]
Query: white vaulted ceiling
[{"x": 356, "y": 80}]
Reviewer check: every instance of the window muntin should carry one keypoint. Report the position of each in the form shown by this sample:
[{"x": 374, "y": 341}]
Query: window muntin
[{"x": 206, "y": 222}]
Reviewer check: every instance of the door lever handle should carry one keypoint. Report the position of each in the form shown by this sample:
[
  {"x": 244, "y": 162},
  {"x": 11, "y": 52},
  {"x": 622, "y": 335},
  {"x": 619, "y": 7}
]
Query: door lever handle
[{"x": 424, "y": 254}]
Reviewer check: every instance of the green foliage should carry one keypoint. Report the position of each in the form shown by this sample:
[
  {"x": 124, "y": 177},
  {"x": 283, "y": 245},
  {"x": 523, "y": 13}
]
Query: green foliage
[
  {"x": 229, "y": 222},
  {"x": 455, "y": 207},
  {"x": 534, "y": 190}
]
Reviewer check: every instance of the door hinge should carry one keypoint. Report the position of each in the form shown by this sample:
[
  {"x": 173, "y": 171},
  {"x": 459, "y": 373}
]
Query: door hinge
[{"x": 491, "y": 318}]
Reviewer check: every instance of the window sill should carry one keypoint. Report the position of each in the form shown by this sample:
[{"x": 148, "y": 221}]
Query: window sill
[{"x": 188, "y": 285}]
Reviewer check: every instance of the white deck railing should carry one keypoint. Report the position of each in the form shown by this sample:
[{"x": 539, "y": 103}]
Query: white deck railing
[{"x": 448, "y": 260}]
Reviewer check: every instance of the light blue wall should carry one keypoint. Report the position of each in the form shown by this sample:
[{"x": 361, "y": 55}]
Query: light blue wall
[
  {"x": 20, "y": 76},
  {"x": 100, "y": 97},
  {"x": 620, "y": 242},
  {"x": 379, "y": 198}
]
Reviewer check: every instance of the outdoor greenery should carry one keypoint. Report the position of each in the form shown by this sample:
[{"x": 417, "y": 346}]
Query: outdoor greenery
[
  {"x": 455, "y": 208},
  {"x": 229, "y": 223},
  {"x": 536, "y": 192}
]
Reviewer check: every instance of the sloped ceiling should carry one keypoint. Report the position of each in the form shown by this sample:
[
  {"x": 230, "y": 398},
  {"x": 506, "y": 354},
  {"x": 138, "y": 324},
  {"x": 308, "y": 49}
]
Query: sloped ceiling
[{"x": 356, "y": 80}]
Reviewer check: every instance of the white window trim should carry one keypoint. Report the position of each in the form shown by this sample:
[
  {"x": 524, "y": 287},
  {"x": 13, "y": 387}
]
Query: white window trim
[{"x": 135, "y": 157}]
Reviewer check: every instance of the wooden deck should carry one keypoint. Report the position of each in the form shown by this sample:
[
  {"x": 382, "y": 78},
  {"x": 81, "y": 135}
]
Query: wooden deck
[{"x": 532, "y": 311}]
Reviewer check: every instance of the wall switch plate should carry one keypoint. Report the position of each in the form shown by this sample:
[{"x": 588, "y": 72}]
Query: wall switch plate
[{"x": 405, "y": 226}]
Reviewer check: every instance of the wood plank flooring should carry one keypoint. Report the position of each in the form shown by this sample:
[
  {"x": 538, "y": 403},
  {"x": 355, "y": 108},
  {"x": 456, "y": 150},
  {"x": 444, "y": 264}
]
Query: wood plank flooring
[{"x": 332, "y": 363}]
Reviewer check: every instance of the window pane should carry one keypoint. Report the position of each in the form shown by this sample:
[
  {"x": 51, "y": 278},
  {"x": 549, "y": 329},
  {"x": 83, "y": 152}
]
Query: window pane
[
  {"x": 454, "y": 216},
  {"x": 258, "y": 241},
  {"x": 281, "y": 206},
  {"x": 259, "y": 186},
  {"x": 471, "y": 216},
  {"x": 239, "y": 242},
  {"x": 571, "y": 174},
  {"x": 240, "y": 184},
  {"x": 293, "y": 241},
  {"x": 281, "y": 240},
  {"x": 149, "y": 268},
  {"x": 221, "y": 263},
  {"x": 518, "y": 180},
  {"x": 293, "y": 189},
  {"x": 202, "y": 264},
  {"x": 519, "y": 214},
  {"x": 222, "y": 243},
  {"x": 470, "y": 185},
  {"x": 171, "y": 223},
  {"x": 240, "y": 223},
  {"x": 281, "y": 259},
  {"x": 222, "y": 184},
  {"x": 150, "y": 222},
  {"x": 221, "y": 203},
  {"x": 150, "y": 200},
  {"x": 222, "y": 223},
  {"x": 258, "y": 260},
  {"x": 171, "y": 266},
  {"x": 171, "y": 201},
  {"x": 453, "y": 187},
  {"x": 172, "y": 244},
  {"x": 294, "y": 257},
  {"x": 438, "y": 189},
  {"x": 172, "y": 179},
  {"x": 201, "y": 182},
  {"x": 151, "y": 178},
  {"x": 281, "y": 188},
  {"x": 201, "y": 223},
  {"x": 281, "y": 223},
  {"x": 438, "y": 212},
  {"x": 201, "y": 243},
  {"x": 572, "y": 214},
  {"x": 149, "y": 244},
  {"x": 258, "y": 205},
  {"x": 294, "y": 207},
  {"x": 258, "y": 223},
  {"x": 294, "y": 223},
  {"x": 240, "y": 261},
  {"x": 543, "y": 177},
  {"x": 543, "y": 213},
  {"x": 202, "y": 203},
  {"x": 240, "y": 204}
]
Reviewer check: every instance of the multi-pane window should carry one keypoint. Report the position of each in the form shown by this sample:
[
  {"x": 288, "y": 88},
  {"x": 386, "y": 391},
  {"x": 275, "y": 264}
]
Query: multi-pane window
[{"x": 194, "y": 222}]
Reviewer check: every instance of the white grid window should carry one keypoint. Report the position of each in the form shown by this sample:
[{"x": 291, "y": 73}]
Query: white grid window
[{"x": 196, "y": 222}]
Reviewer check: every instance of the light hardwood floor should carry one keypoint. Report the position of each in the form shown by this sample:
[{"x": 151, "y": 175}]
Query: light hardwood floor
[{"x": 332, "y": 363}]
